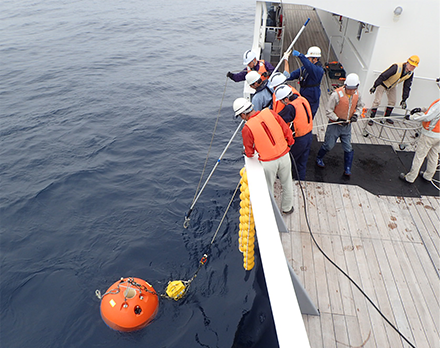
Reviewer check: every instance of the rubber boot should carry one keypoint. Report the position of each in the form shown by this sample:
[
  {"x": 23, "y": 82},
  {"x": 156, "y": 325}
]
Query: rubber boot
[
  {"x": 372, "y": 115},
  {"x": 348, "y": 160},
  {"x": 319, "y": 158},
  {"x": 388, "y": 112}
]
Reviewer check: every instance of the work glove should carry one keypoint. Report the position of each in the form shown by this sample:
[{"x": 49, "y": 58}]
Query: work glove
[
  {"x": 265, "y": 74},
  {"x": 286, "y": 56},
  {"x": 372, "y": 90},
  {"x": 229, "y": 74},
  {"x": 415, "y": 110},
  {"x": 353, "y": 118},
  {"x": 295, "y": 53},
  {"x": 403, "y": 104}
]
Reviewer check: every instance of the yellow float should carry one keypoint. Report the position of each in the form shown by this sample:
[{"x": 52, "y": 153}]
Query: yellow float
[{"x": 246, "y": 233}]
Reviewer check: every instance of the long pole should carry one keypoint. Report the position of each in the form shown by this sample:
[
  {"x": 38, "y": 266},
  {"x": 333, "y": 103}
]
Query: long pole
[
  {"x": 186, "y": 222},
  {"x": 291, "y": 45}
]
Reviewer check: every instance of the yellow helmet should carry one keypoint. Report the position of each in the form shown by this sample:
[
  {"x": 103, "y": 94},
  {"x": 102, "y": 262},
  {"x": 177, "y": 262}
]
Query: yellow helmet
[{"x": 414, "y": 60}]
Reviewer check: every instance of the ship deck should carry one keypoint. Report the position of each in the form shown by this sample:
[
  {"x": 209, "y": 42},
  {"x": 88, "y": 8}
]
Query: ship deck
[{"x": 387, "y": 243}]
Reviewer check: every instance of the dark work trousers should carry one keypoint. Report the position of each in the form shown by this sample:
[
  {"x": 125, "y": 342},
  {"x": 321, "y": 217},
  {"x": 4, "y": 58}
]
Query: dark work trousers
[{"x": 300, "y": 151}]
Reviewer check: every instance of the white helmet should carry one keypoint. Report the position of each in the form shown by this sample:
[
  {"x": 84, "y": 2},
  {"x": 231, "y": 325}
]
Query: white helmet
[
  {"x": 252, "y": 77},
  {"x": 282, "y": 92},
  {"x": 351, "y": 81},
  {"x": 248, "y": 56},
  {"x": 276, "y": 79},
  {"x": 241, "y": 105},
  {"x": 314, "y": 52}
]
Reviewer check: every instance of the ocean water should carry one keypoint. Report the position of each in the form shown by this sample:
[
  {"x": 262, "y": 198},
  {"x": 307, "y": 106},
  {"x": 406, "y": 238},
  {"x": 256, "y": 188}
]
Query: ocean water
[{"x": 107, "y": 114}]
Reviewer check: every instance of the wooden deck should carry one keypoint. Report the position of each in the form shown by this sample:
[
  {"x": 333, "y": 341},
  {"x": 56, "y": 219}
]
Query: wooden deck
[{"x": 390, "y": 246}]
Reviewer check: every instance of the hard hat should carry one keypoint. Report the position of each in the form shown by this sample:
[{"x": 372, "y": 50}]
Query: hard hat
[
  {"x": 351, "y": 81},
  {"x": 276, "y": 79},
  {"x": 248, "y": 56},
  {"x": 252, "y": 77},
  {"x": 241, "y": 105},
  {"x": 314, "y": 52},
  {"x": 414, "y": 60},
  {"x": 282, "y": 92}
]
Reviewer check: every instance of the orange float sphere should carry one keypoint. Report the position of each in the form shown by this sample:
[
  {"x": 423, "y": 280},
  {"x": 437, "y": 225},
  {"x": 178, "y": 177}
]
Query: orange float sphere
[{"x": 129, "y": 304}]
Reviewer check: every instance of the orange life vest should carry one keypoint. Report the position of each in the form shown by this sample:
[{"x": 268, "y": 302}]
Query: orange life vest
[
  {"x": 341, "y": 110},
  {"x": 277, "y": 106},
  {"x": 269, "y": 139},
  {"x": 261, "y": 69},
  {"x": 436, "y": 129},
  {"x": 303, "y": 122}
]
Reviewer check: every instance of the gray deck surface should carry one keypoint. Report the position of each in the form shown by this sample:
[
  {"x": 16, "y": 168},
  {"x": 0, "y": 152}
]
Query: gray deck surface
[{"x": 389, "y": 245}]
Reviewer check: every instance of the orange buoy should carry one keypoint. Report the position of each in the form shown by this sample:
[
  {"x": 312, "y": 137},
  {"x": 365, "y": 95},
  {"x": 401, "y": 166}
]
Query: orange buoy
[{"x": 129, "y": 304}]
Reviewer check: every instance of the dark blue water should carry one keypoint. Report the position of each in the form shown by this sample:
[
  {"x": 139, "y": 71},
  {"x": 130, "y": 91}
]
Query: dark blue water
[{"x": 107, "y": 112}]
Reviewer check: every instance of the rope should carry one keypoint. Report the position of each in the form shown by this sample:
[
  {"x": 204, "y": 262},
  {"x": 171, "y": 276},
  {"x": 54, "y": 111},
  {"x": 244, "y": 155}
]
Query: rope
[
  {"x": 339, "y": 268},
  {"x": 204, "y": 258},
  {"x": 212, "y": 140},
  {"x": 367, "y": 119},
  {"x": 224, "y": 215}
]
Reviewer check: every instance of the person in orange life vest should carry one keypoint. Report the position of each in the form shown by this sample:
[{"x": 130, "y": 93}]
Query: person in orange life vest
[
  {"x": 387, "y": 82},
  {"x": 275, "y": 80},
  {"x": 252, "y": 64},
  {"x": 429, "y": 142},
  {"x": 344, "y": 106},
  {"x": 266, "y": 133},
  {"x": 298, "y": 114}
]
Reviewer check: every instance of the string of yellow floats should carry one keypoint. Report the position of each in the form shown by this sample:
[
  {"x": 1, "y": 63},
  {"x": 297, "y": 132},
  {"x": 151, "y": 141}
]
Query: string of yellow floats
[{"x": 246, "y": 233}]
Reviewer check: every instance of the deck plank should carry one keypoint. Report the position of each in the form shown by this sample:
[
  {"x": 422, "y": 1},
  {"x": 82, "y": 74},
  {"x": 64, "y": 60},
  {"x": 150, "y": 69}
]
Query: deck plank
[
  {"x": 308, "y": 267},
  {"x": 362, "y": 309},
  {"x": 418, "y": 313},
  {"x": 321, "y": 279},
  {"x": 332, "y": 276}
]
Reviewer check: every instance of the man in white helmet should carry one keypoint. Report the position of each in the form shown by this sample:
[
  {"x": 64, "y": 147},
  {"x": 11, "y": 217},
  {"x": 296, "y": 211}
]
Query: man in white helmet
[
  {"x": 266, "y": 133},
  {"x": 309, "y": 75},
  {"x": 262, "y": 98},
  {"x": 275, "y": 80},
  {"x": 298, "y": 114},
  {"x": 343, "y": 108},
  {"x": 428, "y": 145},
  {"x": 252, "y": 64}
]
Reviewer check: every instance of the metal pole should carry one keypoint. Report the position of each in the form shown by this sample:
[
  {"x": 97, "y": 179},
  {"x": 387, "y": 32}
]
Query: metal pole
[
  {"x": 186, "y": 222},
  {"x": 293, "y": 42}
]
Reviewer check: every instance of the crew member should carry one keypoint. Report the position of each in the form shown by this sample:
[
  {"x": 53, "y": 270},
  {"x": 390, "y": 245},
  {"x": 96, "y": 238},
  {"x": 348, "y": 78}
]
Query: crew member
[
  {"x": 387, "y": 82},
  {"x": 275, "y": 80},
  {"x": 298, "y": 114},
  {"x": 266, "y": 133},
  {"x": 309, "y": 75},
  {"x": 343, "y": 108},
  {"x": 262, "y": 98},
  {"x": 429, "y": 142},
  {"x": 252, "y": 64}
]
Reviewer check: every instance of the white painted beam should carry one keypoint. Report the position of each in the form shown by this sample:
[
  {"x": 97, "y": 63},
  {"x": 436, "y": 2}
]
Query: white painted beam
[{"x": 287, "y": 315}]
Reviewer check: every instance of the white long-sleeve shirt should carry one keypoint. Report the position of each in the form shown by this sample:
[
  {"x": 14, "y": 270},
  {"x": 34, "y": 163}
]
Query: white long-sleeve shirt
[
  {"x": 334, "y": 100},
  {"x": 432, "y": 116}
]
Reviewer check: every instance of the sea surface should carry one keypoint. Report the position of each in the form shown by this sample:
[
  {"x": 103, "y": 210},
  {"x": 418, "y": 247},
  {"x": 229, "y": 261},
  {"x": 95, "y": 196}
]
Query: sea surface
[{"x": 107, "y": 112}]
